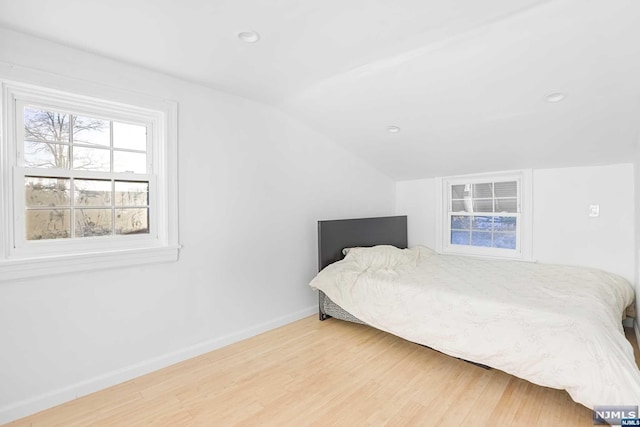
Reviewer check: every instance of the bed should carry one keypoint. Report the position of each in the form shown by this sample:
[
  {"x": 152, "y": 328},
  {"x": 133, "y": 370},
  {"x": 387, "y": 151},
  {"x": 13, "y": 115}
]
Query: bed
[
  {"x": 336, "y": 235},
  {"x": 556, "y": 326}
]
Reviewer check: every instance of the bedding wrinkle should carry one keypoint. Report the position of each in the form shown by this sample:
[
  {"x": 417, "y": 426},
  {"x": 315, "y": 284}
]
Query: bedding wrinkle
[{"x": 556, "y": 326}]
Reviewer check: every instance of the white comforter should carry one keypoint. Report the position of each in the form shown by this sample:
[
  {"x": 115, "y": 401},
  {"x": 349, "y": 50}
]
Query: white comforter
[{"x": 556, "y": 326}]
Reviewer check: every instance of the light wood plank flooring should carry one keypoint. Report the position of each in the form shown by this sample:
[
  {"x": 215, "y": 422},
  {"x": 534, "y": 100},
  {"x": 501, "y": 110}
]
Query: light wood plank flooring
[{"x": 321, "y": 373}]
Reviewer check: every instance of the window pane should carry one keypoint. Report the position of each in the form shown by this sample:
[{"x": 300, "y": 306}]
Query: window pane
[
  {"x": 483, "y": 205},
  {"x": 43, "y": 125},
  {"x": 507, "y": 205},
  {"x": 460, "y": 237},
  {"x": 48, "y": 224},
  {"x": 506, "y": 189},
  {"x": 94, "y": 159},
  {"x": 481, "y": 238},
  {"x": 460, "y": 222},
  {"x": 132, "y": 137},
  {"x": 124, "y": 161},
  {"x": 46, "y": 191},
  {"x": 461, "y": 206},
  {"x": 93, "y": 222},
  {"x": 504, "y": 223},
  {"x": 504, "y": 240},
  {"x": 131, "y": 193},
  {"x": 459, "y": 192},
  {"x": 88, "y": 130},
  {"x": 132, "y": 221},
  {"x": 483, "y": 191},
  {"x": 482, "y": 223},
  {"x": 46, "y": 155},
  {"x": 90, "y": 192}
]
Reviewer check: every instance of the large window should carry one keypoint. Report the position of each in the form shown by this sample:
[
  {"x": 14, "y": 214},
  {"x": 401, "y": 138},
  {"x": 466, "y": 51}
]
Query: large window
[
  {"x": 486, "y": 215},
  {"x": 87, "y": 182}
]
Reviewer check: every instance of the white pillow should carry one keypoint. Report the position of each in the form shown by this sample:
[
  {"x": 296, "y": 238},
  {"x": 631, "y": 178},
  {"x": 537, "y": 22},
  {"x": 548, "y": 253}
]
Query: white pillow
[{"x": 380, "y": 257}]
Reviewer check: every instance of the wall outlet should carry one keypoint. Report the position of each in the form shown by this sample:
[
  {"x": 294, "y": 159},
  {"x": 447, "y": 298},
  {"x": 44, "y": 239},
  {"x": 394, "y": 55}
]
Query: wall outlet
[{"x": 594, "y": 211}]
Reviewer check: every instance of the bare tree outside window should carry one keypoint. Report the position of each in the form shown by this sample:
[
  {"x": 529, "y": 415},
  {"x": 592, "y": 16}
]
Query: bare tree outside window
[{"x": 49, "y": 136}]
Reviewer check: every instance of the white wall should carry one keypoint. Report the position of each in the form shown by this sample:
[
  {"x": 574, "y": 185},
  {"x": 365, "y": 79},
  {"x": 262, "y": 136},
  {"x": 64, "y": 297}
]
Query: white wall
[
  {"x": 417, "y": 200},
  {"x": 252, "y": 181},
  {"x": 562, "y": 230}
]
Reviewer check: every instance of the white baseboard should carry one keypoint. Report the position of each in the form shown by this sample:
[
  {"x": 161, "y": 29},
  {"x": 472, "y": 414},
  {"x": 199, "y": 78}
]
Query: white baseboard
[{"x": 20, "y": 409}]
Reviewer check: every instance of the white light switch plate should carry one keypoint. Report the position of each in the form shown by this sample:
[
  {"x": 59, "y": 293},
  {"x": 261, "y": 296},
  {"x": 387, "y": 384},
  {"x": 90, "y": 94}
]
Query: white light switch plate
[{"x": 594, "y": 211}]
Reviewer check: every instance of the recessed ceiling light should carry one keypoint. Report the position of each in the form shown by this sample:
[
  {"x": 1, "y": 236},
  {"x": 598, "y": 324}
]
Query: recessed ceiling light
[
  {"x": 249, "y": 36},
  {"x": 555, "y": 97},
  {"x": 393, "y": 129}
]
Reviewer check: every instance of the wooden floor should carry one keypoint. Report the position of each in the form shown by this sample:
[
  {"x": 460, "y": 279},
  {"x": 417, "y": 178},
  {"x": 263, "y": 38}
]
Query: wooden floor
[{"x": 321, "y": 373}]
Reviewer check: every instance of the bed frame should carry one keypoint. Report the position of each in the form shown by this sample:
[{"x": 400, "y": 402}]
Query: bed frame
[{"x": 335, "y": 235}]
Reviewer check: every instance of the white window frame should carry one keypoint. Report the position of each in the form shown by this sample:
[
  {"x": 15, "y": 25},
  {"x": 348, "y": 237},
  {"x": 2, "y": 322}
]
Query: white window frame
[
  {"x": 523, "y": 250},
  {"x": 20, "y": 258}
]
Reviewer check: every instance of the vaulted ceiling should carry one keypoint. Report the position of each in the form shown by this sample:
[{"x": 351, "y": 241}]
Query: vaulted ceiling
[{"x": 465, "y": 81}]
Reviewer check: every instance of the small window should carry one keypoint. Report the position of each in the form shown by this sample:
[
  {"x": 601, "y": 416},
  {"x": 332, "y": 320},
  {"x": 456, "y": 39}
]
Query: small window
[
  {"x": 485, "y": 215},
  {"x": 86, "y": 176}
]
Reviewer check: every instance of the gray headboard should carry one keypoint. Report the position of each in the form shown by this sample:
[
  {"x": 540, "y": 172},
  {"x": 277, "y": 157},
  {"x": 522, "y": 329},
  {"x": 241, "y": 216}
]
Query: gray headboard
[{"x": 333, "y": 236}]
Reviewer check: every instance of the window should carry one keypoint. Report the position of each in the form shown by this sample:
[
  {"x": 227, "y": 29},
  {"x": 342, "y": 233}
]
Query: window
[
  {"x": 486, "y": 215},
  {"x": 87, "y": 182}
]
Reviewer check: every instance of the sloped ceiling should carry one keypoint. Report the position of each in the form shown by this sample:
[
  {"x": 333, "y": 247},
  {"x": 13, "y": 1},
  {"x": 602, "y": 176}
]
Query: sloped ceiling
[{"x": 465, "y": 80}]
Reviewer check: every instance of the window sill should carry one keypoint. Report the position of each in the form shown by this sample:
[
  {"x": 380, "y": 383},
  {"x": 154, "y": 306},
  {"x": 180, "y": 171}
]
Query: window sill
[
  {"x": 492, "y": 256},
  {"x": 14, "y": 269}
]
